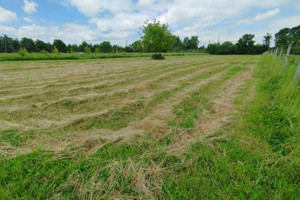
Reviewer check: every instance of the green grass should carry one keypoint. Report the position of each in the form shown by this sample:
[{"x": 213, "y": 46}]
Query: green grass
[
  {"x": 120, "y": 118},
  {"x": 255, "y": 156},
  {"x": 193, "y": 105}
]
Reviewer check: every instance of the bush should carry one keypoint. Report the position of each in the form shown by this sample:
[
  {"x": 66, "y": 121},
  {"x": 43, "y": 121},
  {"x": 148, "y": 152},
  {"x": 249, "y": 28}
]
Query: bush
[
  {"x": 22, "y": 51},
  {"x": 55, "y": 50},
  {"x": 158, "y": 56},
  {"x": 87, "y": 50}
]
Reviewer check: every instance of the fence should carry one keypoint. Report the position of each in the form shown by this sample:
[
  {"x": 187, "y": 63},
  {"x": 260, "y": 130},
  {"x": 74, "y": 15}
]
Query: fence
[{"x": 274, "y": 53}]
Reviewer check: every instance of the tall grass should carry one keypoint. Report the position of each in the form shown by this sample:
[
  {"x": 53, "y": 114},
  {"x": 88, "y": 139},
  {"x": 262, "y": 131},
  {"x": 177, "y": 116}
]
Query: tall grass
[
  {"x": 73, "y": 56},
  {"x": 257, "y": 156}
]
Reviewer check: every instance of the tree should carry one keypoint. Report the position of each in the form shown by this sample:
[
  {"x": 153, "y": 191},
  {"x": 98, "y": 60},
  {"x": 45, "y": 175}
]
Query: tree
[
  {"x": 245, "y": 44},
  {"x": 28, "y": 44},
  {"x": 39, "y": 46},
  {"x": 267, "y": 40},
  {"x": 191, "y": 44},
  {"x": 157, "y": 37},
  {"x": 226, "y": 48},
  {"x": 82, "y": 46},
  {"x": 87, "y": 50},
  {"x": 8, "y": 45},
  {"x": 212, "y": 48},
  {"x": 117, "y": 48},
  {"x": 137, "y": 46},
  {"x": 287, "y": 36},
  {"x": 49, "y": 47},
  {"x": 55, "y": 50},
  {"x": 178, "y": 45},
  {"x": 105, "y": 47},
  {"x": 60, "y": 45}
]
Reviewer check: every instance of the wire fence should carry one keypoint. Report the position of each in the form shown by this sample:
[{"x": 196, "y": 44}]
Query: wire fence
[{"x": 274, "y": 52}]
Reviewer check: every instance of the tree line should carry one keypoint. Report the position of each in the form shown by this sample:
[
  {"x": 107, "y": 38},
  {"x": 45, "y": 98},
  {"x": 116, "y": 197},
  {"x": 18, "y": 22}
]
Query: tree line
[{"x": 164, "y": 39}]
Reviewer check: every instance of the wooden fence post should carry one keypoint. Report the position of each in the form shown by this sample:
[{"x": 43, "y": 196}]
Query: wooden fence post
[
  {"x": 281, "y": 50},
  {"x": 286, "y": 59},
  {"x": 276, "y": 51},
  {"x": 297, "y": 75}
]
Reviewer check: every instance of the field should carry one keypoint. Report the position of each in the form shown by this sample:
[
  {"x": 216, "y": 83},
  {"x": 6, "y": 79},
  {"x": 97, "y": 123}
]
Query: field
[{"x": 187, "y": 127}]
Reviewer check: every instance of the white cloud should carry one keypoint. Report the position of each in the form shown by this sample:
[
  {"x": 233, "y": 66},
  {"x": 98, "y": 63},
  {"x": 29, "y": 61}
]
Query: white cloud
[
  {"x": 92, "y": 8},
  {"x": 145, "y": 3},
  {"x": 30, "y": 6},
  {"x": 266, "y": 15},
  {"x": 119, "y": 20},
  {"x": 10, "y": 31},
  {"x": 7, "y": 16},
  {"x": 27, "y": 19}
]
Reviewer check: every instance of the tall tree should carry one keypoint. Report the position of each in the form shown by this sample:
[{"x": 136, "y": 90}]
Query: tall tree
[
  {"x": 157, "y": 37},
  {"x": 267, "y": 40},
  {"x": 178, "y": 45},
  {"x": 282, "y": 38},
  {"x": 105, "y": 47},
  {"x": 192, "y": 43},
  {"x": 39, "y": 46},
  {"x": 226, "y": 47},
  {"x": 137, "y": 46},
  {"x": 245, "y": 44},
  {"x": 60, "y": 45},
  {"x": 28, "y": 44},
  {"x": 82, "y": 46}
]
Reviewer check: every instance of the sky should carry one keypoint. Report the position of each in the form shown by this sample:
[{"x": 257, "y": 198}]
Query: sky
[{"x": 119, "y": 21}]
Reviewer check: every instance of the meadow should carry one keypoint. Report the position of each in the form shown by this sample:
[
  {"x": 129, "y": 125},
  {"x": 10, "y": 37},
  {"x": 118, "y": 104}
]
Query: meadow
[{"x": 187, "y": 127}]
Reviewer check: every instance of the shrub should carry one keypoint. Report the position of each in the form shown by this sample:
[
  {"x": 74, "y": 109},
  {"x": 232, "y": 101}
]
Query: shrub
[
  {"x": 158, "y": 56},
  {"x": 22, "y": 51},
  {"x": 87, "y": 50},
  {"x": 55, "y": 50},
  {"x": 44, "y": 51}
]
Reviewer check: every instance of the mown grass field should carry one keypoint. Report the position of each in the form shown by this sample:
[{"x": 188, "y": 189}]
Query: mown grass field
[{"x": 188, "y": 127}]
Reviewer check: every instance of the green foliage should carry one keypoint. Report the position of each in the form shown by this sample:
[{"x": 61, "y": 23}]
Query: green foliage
[
  {"x": 44, "y": 51},
  {"x": 104, "y": 47},
  {"x": 275, "y": 116},
  {"x": 157, "y": 37},
  {"x": 55, "y": 50},
  {"x": 28, "y": 44},
  {"x": 22, "y": 51},
  {"x": 60, "y": 45},
  {"x": 191, "y": 43},
  {"x": 286, "y": 36},
  {"x": 137, "y": 46},
  {"x": 87, "y": 50},
  {"x": 226, "y": 48},
  {"x": 267, "y": 40},
  {"x": 157, "y": 56},
  {"x": 296, "y": 48},
  {"x": 245, "y": 44},
  {"x": 8, "y": 45},
  {"x": 39, "y": 46}
]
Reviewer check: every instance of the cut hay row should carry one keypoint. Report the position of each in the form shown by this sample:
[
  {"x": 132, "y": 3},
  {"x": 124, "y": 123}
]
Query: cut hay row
[{"x": 126, "y": 105}]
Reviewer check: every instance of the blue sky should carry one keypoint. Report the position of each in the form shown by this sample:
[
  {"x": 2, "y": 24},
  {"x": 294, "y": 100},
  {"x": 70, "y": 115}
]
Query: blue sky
[{"x": 118, "y": 21}]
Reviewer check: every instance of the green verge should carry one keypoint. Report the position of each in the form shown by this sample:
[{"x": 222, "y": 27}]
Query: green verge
[
  {"x": 69, "y": 56},
  {"x": 257, "y": 156}
]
